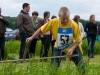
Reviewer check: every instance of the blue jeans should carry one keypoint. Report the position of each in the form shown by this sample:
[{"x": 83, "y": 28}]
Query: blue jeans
[
  {"x": 91, "y": 50},
  {"x": 78, "y": 60},
  {"x": 2, "y": 44},
  {"x": 23, "y": 37}
]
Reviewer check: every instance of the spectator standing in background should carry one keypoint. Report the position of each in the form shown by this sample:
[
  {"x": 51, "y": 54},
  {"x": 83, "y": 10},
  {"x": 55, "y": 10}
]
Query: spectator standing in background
[
  {"x": 25, "y": 27},
  {"x": 3, "y": 23},
  {"x": 46, "y": 37},
  {"x": 35, "y": 20},
  {"x": 91, "y": 30},
  {"x": 98, "y": 33},
  {"x": 81, "y": 28}
]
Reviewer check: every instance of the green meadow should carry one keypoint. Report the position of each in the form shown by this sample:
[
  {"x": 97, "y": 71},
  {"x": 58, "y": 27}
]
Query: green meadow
[{"x": 67, "y": 67}]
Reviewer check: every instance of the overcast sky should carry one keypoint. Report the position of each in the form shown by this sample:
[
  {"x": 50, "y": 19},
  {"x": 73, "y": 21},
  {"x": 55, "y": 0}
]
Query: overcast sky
[{"x": 84, "y": 8}]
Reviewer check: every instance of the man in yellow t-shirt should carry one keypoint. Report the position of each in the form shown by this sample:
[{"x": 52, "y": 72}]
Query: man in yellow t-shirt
[{"x": 67, "y": 36}]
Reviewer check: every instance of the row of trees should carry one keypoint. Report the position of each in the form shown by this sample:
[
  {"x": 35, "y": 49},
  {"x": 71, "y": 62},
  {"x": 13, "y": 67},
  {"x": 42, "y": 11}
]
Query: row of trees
[{"x": 13, "y": 22}]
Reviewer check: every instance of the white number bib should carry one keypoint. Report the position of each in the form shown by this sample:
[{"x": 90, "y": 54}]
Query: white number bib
[{"x": 65, "y": 37}]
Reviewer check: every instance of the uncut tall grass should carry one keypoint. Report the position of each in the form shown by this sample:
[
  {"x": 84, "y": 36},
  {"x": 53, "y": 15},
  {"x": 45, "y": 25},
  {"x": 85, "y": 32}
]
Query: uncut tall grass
[{"x": 45, "y": 68}]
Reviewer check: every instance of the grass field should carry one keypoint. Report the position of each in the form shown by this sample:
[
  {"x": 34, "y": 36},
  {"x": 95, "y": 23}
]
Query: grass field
[{"x": 44, "y": 68}]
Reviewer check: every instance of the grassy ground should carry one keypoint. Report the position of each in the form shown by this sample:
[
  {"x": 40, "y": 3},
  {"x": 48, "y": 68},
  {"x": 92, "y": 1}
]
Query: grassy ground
[{"x": 44, "y": 68}]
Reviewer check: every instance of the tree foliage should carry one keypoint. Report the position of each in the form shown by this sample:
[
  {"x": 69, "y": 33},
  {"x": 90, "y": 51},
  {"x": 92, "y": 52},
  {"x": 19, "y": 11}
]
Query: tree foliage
[{"x": 13, "y": 22}]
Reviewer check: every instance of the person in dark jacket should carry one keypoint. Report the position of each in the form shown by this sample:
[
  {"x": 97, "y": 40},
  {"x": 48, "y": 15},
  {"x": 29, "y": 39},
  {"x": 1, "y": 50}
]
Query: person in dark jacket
[
  {"x": 46, "y": 37},
  {"x": 91, "y": 30},
  {"x": 3, "y": 23},
  {"x": 25, "y": 27}
]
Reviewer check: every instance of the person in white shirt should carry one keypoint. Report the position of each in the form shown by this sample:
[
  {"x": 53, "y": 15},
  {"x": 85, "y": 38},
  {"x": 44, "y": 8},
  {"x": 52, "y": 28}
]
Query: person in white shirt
[{"x": 80, "y": 25}]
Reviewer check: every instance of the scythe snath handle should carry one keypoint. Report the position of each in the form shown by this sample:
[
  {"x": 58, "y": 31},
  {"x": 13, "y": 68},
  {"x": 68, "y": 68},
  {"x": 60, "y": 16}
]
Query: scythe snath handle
[{"x": 25, "y": 51}]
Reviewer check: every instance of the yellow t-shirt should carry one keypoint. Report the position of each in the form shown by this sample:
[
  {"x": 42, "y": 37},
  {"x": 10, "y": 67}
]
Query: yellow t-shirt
[{"x": 53, "y": 25}]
